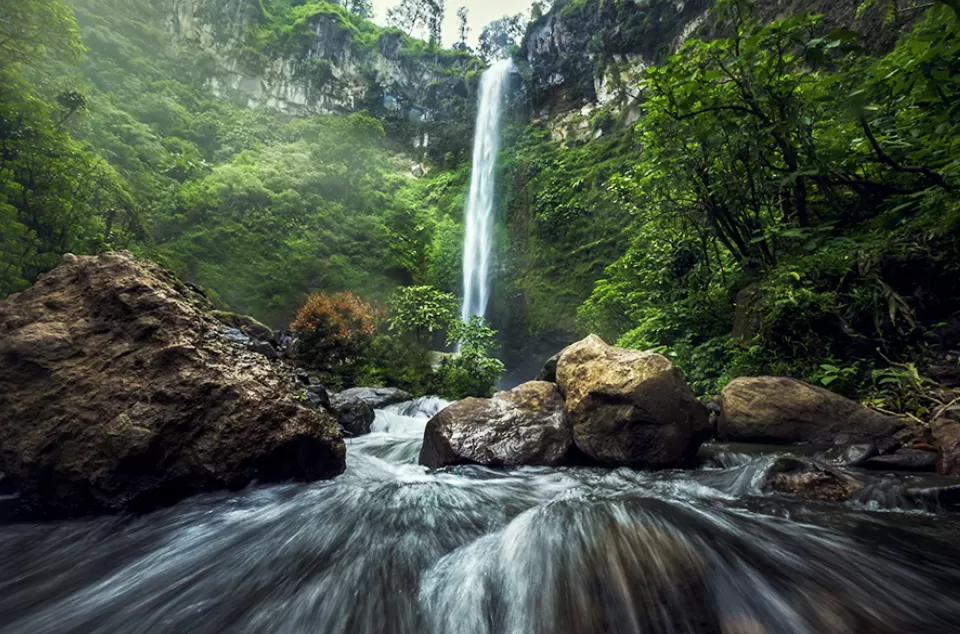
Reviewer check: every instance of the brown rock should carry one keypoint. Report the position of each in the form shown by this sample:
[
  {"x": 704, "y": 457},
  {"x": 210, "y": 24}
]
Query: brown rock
[
  {"x": 780, "y": 410},
  {"x": 525, "y": 426},
  {"x": 117, "y": 392},
  {"x": 946, "y": 438},
  {"x": 629, "y": 407}
]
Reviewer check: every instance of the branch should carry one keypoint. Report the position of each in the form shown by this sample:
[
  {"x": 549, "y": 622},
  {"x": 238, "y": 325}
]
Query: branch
[{"x": 935, "y": 177}]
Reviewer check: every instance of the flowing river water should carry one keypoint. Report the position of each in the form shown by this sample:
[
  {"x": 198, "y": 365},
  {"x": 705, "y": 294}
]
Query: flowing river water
[{"x": 392, "y": 547}]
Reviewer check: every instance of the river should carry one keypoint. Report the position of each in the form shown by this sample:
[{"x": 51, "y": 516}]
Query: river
[{"x": 390, "y": 547}]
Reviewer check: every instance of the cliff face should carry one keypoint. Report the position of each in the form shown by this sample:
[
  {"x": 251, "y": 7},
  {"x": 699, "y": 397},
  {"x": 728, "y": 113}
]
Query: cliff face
[
  {"x": 587, "y": 55},
  {"x": 329, "y": 62}
]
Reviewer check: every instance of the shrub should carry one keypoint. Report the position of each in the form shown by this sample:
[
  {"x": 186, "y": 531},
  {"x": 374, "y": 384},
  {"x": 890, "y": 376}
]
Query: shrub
[{"x": 333, "y": 330}]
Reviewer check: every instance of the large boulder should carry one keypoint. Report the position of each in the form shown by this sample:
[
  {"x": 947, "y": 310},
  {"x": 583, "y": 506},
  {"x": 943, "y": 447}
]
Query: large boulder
[
  {"x": 781, "y": 410},
  {"x": 525, "y": 426},
  {"x": 119, "y": 392},
  {"x": 629, "y": 407},
  {"x": 375, "y": 397}
]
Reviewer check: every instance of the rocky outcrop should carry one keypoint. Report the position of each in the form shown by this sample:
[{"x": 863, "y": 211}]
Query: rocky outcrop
[
  {"x": 525, "y": 426},
  {"x": 629, "y": 407},
  {"x": 119, "y": 392},
  {"x": 323, "y": 65},
  {"x": 375, "y": 397},
  {"x": 782, "y": 410}
]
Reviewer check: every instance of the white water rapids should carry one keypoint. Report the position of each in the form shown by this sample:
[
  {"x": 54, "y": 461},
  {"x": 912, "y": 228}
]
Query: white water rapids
[
  {"x": 478, "y": 230},
  {"x": 394, "y": 548}
]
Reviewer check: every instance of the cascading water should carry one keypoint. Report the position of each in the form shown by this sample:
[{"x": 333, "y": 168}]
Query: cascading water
[
  {"x": 391, "y": 547},
  {"x": 478, "y": 233}
]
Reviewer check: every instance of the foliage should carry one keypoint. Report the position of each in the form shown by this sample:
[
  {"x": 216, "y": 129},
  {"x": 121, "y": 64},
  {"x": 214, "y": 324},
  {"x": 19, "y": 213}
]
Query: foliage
[
  {"x": 811, "y": 186},
  {"x": 470, "y": 372},
  {"x": 500, "y": 38},
  {"x": 419, "y": 309},
  {"x": 333, "y": 330}
]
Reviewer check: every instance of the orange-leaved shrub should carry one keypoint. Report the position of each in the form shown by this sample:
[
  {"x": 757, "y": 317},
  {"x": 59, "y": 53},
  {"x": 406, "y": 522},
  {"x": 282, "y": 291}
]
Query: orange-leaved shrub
[{"x": 333, "y": 329}]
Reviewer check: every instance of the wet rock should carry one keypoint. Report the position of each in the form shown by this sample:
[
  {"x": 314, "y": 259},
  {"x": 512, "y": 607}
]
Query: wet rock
[
  {"x": 245, "y": 324},
  {"x": 113, "y": 398},
  {"x": 375, "y": 397},
  {"x": 317, "y": 397},
  {"x": 782, "y": 410},
  {"x": 264, "y": 348},
  {"x": 356, "y": 417},
  {"x": 810, "y": 479},
  {"x": 851, "y": 455},
  {"x": 946, "y": 438},
  {"x": 525, "y": 426},
  {"x": 903, "y": 460},
  {"x": 628, "y": 407},
  {"x": 235, "y": 335}
]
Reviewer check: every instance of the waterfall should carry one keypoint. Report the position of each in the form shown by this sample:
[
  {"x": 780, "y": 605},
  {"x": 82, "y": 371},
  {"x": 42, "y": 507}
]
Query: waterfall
[{"x": 478, "y": 236}]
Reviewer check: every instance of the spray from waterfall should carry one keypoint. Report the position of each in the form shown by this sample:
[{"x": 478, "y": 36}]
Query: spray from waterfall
[{"x": 478, "y": 238}]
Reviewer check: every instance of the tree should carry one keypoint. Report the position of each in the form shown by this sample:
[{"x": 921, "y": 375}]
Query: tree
[
  {"x": 29, "y": 28},
  {"x": 333, "y": 329},
  {"x": 419, "y": 17},
  {"x": 363, "y": 8},
  {"x": 471, "y": 372},
  {"x": 499, "y": 38},
  {"x": 463, "y": 29},
  {"x": 422, "y": 308}
]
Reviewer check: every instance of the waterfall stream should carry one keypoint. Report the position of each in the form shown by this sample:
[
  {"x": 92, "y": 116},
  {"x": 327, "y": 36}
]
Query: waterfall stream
[
  {"x": 478, "y": 231},
  {"x": 391, "y": 547}
]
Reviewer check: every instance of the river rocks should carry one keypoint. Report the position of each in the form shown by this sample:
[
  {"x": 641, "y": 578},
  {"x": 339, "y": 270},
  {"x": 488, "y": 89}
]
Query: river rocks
[
  {"x": 811, "y": 479},
  {"x": 903, "y": 460},
  {"x": 525, "y": 426},
  {"x": 629, "y": 408},
  {"x": 782, "y": 410},
  {"x": 375, "y": 397},
  {"x": 356, "y": 417},
  {"x": 116, "y": 396}
]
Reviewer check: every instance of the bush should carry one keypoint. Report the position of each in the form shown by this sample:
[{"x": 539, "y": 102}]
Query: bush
[{"x": 333, "y": 330}]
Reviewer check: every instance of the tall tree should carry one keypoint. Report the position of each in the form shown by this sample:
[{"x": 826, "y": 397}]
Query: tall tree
[
  {"x": 363, "y": 8},
  {"x": 500, "y": 37},
  {"x": 419, "y": 17},
  {"x": 463, "y": 29}
]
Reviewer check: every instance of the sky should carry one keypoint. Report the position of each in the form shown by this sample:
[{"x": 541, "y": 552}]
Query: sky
[{"x": 482, "y": 13}]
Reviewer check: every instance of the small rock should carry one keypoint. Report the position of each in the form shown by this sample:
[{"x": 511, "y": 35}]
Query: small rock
[
  {"x": 852, "y": 455},
  {"x": 375, "y": 397},
  {"x": 264, "y": 348},
  {"x": 317, "y": 397},
  {"x": 811, "y": 479},
  {"x": 356, "y": 417},
  {"x": 236, "y": 336},
  {"x": 903, "y": 460}
]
